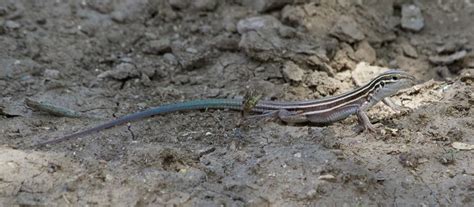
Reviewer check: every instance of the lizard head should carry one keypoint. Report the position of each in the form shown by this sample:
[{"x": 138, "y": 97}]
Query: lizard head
[{"x": 390, "y": 82}]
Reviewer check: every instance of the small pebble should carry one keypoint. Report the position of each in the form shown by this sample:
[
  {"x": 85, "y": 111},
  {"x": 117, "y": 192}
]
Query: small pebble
[
  {"x": 121, "y": 72},
  {"x": 118, "y": 16},
  {"x": 412, "y": 19},
  {"x": 365, "y": 52},
  {"x": 447, "y": 59},
  {"x": 178, "y": 4},
  {"x": 191, "y": 50},
  {"x": 9, "y": 24},
  {"x": 327, "y": 177},
  {"x": 347, "y": 30},
  {"x": 409, "y": 50},
  {"x": 265, "y": 5},
  {"x": 292, "y": 72},
  {"x": 170, "y": 58},
  {"x": 205, "y": 5},
  {"x": 52, "y": 74},
  {"x": 158, "y": 47}
]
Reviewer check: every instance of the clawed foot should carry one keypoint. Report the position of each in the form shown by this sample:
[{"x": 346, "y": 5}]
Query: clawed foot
[
  {"x": 395, "y": 107},
  {"x": 365, "y": 127},
  {"x": 268, "y": 116}
]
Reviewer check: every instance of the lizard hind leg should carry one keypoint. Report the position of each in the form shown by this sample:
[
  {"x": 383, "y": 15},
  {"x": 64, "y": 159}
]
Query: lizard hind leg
[
  {"x": 291, "y": 117},
  {"x": 282, "y": 115}
]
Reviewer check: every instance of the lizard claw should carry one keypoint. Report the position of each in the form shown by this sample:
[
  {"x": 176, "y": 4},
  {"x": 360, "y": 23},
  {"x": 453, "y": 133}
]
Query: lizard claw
[{"x": 365, "y": 127}]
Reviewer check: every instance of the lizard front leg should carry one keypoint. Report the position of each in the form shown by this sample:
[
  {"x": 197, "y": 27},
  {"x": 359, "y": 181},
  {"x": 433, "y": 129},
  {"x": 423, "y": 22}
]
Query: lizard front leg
[{"x": 364, "y": 122}]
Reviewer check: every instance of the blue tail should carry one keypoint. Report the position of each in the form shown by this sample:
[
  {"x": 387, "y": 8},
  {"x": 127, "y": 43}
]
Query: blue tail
[{"x": 235, "y": 104}]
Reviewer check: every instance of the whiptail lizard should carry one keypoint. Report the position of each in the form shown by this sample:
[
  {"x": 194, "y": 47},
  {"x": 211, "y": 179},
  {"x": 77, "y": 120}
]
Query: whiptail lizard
[{"x": 320, "y": 111}]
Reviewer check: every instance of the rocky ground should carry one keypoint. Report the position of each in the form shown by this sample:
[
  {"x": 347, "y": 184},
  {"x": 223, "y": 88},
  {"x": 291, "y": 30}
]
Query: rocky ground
[{"x": 91, "y": 61}]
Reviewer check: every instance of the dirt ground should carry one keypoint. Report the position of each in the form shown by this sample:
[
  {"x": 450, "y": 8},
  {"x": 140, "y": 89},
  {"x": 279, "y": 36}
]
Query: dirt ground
[{"x": 105, "y": 59}]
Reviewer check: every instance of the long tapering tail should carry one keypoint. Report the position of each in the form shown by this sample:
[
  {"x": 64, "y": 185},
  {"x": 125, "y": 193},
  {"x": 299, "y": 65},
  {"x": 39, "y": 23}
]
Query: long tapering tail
[{"x": 235, "y": 104}]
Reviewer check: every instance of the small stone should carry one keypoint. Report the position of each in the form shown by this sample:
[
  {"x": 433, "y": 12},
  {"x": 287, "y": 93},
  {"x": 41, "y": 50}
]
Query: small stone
[
  {"x": 109, "y": 177},
  {"x": 265, "y": 5},
  {"x": 51, "y": 74},
  {"x": 3, "y": 11},
  {"x": 191, "y": 58},
  {"x": 322, "y": 83},
  {"x": 467, "y": 75},
  {"x": 412, "y": 19},
  {"x": 191, "y": 50},
  {"x": 286, "y": 32},
  {"x": 447, "y": 59},
  {"x": 365, "y": 52},
  {"x": 224, "y": 42},
  {"x": 293, "y": 15},
  {"x": 327, "y": 177},
  {"x": 257, "y": 23},
  {"x": 11, "y": 25},
  {"x": 205, "y": 5},
  {"x": 118, "y": 16},
  {"x": 158, "y": 47},
  {"x": 443, "y": 72},
  {"x": 409, "y": 50},
  {"x": 462, "y": 146},
  {"x": 292, "y": 72},
  {"x": 409, "y": 159},
  {"x": 170, "y": 58},
  {"x": 101, "y": 6},
  {"x": 178, "y": 4},
  {"x": 452, "y": 45},
  {"x": 344, "y": 58},
  {"x": 120, "y": 72},
  {"x": 346, "y": 29}
]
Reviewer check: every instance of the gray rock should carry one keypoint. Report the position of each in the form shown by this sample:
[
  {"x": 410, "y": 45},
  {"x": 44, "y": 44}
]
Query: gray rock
[
  {"x": 323, "y": 84},
  {"x": 292, "y": 72},
  {"x": 205, "y": 5},
  {"x": 170, "y": 58},
  {"x": 51, "y": 74},
  {"x": 101, "y": 6},
  {"x": 286, "y": 32},
  {"x": 178, "y": 4},
  {"x": 118, "y": 16},
  {"x": 293, "y": 15},
  {"x": 191, "y": 50},
  {"x": 158, "y": 47},
  {"x": 443, "y": 72},
  {"x": 409, "y": 50},
  {"x": 11, "y": 25},
  {"x": 258, "y": 23},
  {"x": 265, "y": 5},
  {"x": 365, "y": 52},
  {"x": 412, "y": 19},
  {"x": 447, "y": 59},
  {"x": 346, "y": 29},
  {"x": 452, "y": 45},
  {"x": 191, "y": 58},
  {"x": 120, "y": 72},
  {"x": 224, "y": 42}
]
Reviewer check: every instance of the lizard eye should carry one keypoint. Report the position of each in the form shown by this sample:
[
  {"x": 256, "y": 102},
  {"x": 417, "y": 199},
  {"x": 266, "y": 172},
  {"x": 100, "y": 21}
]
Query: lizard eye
[{"x": 394, "y": 78}]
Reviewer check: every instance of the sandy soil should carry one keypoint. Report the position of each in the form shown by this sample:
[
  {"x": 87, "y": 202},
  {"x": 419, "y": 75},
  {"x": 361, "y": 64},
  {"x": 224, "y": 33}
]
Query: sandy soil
[{"x": 109, "y": 58}]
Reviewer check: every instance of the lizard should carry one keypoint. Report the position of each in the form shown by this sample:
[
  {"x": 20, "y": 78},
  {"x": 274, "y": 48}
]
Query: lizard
[{"x": 320, "y": 111}]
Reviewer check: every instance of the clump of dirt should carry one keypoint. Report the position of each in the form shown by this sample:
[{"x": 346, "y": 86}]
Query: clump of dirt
[{"x": 104, "y": 59}]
